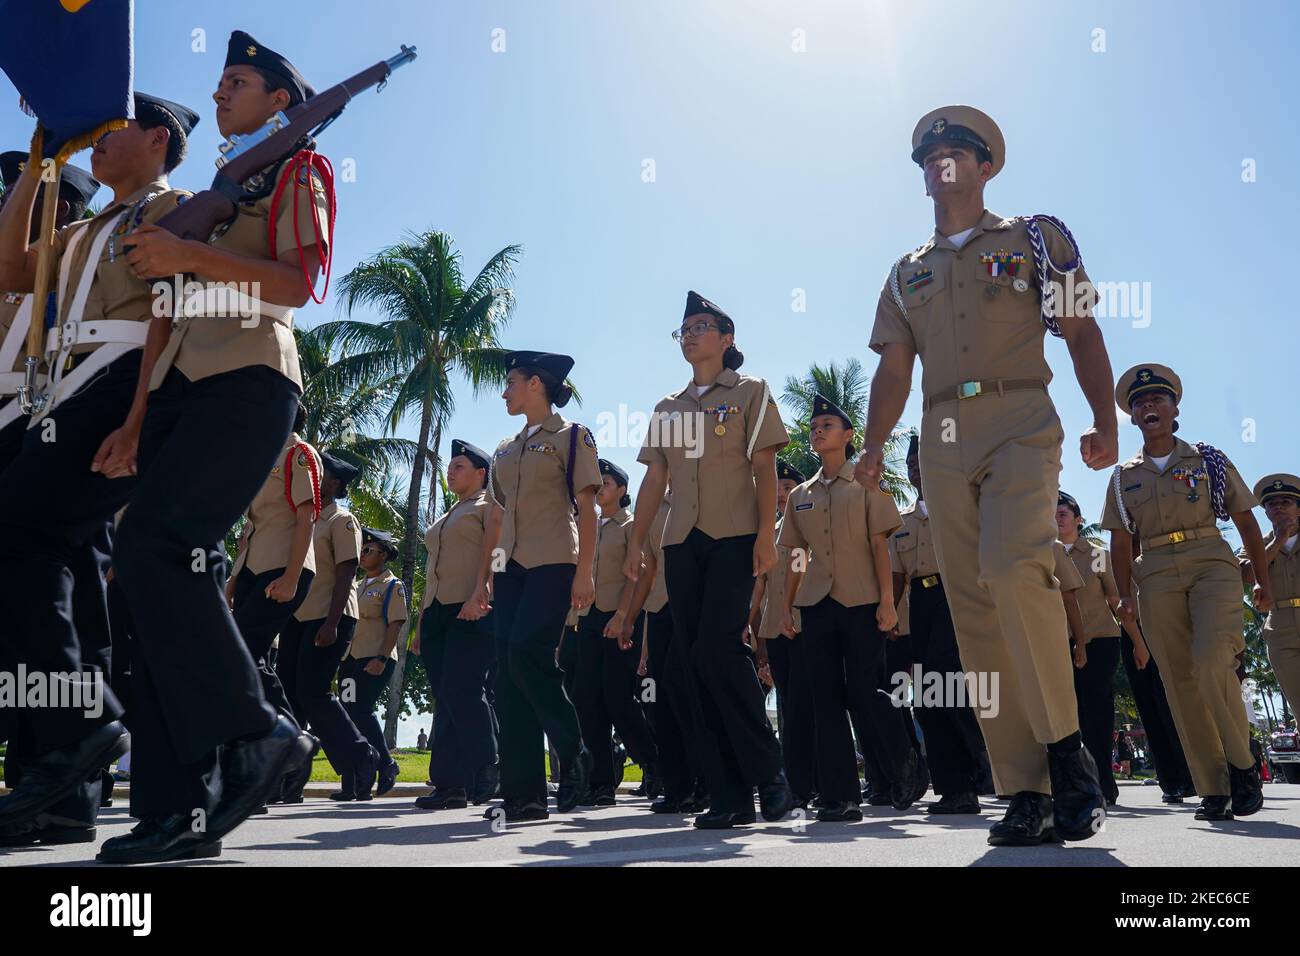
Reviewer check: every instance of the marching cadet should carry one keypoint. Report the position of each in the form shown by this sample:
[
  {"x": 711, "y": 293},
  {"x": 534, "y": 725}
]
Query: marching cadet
[
  {"x": 973, "y": 302},
  {"x": 718, "y": 538},
  {"x": 1280, "y": 495},
  {"x": 1189, "y": 588},
  {"x": 316, "y": 638},
  {"x": 277, "y": 563},
  {"x": 605, "y": 687},
  {"x": 664, "y": 663},
  {"x": 542, "y": 537},
  {"x": 1094, "y": 683},
  {"x": 952, "y": 736},
  {"x": 456, "y": 643},
  {"x": 65, "y": 504},
  {"x": 838, "y": 534},
  {"x": 214, "y": 388},
  {"x": 786, "y": 658},
  {"x": 372, "y": 658}
]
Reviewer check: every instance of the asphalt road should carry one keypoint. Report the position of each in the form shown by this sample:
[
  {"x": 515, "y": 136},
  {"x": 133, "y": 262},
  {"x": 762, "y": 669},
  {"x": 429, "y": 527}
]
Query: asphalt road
[{"x": 391, "y": 832}]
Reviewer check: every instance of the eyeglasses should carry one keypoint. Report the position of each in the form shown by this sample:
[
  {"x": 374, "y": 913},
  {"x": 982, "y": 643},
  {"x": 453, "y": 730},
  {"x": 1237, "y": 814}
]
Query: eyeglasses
[
  {"x": 693, "y": 331},
  {"x": 370, "y": 549}
]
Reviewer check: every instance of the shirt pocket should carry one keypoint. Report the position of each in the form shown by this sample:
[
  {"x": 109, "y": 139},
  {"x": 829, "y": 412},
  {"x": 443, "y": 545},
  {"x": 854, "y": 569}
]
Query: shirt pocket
[
  {"x": 1137, "y": 497},
  {"x": 922, "y": 289},
  {"x": 1000, "y": 300},
  {"x": 907, "y": 548}
]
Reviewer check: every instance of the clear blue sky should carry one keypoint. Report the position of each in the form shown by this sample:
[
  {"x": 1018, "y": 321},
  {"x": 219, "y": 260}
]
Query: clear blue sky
[{"x": 779, "y": 170}]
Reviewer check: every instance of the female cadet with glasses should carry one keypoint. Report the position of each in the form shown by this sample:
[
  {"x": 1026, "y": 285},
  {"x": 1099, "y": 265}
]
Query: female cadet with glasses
[{"x": 717, "y": 438}]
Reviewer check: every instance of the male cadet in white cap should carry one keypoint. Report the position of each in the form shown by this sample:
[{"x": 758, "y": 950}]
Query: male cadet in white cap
[{"x": 973, "y": 302}]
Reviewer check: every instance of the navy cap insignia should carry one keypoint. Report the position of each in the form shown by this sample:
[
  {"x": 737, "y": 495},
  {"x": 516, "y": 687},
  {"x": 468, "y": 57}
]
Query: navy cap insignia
[
  {"x": 1277, "y": 483},
  {"x": 1144, "y": 375},
  {"x": 250, "y": 50},
  {"x": 939, "y": 126}
]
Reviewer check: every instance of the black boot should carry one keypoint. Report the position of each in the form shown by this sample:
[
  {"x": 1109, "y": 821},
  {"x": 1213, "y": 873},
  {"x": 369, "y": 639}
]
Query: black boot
[
  {"x": 54, "y": 775},
  {"x": 846, "y": 812},
  {"x": 295, "y": 781},
  {"x": 1214, "y": 808},
  {"x": 955, "y": 803},
  {"x": 575, "y": 779},
  {"x": 156, "y": 839},
  {"x": 1078, "y": 806},
  {"x": 443, "y": 799},
  {"x": 250, "y": 770},
  {"x": 1247, "y": 791},
  {"x": 1028, "y": 822},
  {"x": 775, "y": 799}
]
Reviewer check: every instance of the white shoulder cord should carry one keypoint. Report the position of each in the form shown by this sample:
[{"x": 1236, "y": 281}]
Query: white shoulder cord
[{"x": 758, "y": 426}]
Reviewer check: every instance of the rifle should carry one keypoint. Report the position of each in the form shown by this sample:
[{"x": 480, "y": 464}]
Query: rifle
[
  {"x": 239, "y": 169},
  {"x": 243, "y": 158}
]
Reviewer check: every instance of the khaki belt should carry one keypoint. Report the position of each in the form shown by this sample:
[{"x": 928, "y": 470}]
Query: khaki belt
[
  {"x": 929, "y": 581},
  {"x": 1175, "y": 537},
  {"x": 1288, "y": 602},
  {"x": 986, "y": 387}
]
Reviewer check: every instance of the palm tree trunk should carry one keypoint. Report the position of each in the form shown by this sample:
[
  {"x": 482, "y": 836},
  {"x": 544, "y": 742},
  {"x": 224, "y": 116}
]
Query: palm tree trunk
[
  {"x": 397, "y": 683},
  {"x": 435, "y": 492}
]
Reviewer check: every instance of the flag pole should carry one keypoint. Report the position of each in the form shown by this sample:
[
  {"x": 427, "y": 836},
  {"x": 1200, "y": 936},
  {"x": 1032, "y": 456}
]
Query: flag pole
[{"x": 27, "y": 396}]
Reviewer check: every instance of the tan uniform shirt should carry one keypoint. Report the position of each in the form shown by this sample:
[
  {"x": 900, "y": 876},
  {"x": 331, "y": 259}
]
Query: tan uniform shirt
[
  {"x": 834, "y": 524},
  {"x": 272, "y": 518},
  {"x": 371, "y": 625},
  {"x": 209, "y": 345},
  {"x": 527, "y": 480},
  {"x": 335, "y": 538},
  {"x": 658, "y": 596},
  {"x": 1284, "y": 576},
  {"x": 1093, "y": 564},
  {"x": 611, "y": 551},
  {"x": 115, "y": 293},
  {"x": 911, "y": 549},
  {"x": 965, "y": 324},
  {"x": 1067, "y": 575},
  {"x": 713, "y": 479},
  {"x": 455, "y": 546},
  {"x": 1157, "y": 504},
  {"x": 769, "y": 627}
]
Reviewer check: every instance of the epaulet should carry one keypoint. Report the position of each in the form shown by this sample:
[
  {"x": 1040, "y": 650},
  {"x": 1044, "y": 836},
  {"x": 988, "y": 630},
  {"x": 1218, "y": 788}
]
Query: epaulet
[
  {"x": 585, "y": 434},
  {"x": 1132, "y": 462}
]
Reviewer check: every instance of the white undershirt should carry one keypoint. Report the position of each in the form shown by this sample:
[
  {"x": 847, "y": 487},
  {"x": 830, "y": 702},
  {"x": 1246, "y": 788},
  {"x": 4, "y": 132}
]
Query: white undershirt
[
  {"x": 602, "y": 522},
  {"x": 701, "y": 389},
  {"x": 532, "y": 430},
  {"x": 1290, "y": 543},
  {"x": 920, "y": 506},
  {"x": 1162, "y": 461},
  {"x": 958, "y": 239},
  {"x": 370, "y": 581}
]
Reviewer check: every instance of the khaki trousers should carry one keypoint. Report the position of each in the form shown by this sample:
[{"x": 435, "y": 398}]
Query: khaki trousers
[
  {"x": 1190, "y": 605},
  {"x": 1284, "y": 653},
  {"x": 990, "y": 467}
]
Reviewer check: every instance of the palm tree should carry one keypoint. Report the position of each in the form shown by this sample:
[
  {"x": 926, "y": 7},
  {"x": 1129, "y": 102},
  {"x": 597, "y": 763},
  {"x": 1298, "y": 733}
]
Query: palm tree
[
  {"x": 434, "y": 324},
  {"x": 847, "y": 386}
]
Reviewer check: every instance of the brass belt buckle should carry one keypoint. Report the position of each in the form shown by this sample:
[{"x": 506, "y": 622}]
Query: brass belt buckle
[
  {"x": 929, "y": 581},
  {"x": 1177, "y": 537},
  {"x": 968, "y": 389}
]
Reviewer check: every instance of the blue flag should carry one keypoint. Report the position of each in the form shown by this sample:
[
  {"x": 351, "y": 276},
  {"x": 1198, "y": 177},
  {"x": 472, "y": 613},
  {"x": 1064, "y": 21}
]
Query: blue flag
[{"x": 72, "y": 62}]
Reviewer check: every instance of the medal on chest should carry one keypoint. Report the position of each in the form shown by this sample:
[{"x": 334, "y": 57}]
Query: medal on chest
[
  {"x": 1191, "y": 476},
  {"x": 721, "y": 412},
  {"x": 545, "y": 447},
  {"x": 1005, "y": 262}
]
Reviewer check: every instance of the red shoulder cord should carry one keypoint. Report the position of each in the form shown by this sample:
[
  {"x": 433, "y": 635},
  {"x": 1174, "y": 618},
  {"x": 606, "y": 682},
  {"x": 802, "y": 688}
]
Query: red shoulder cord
[
  {"x": 311, "y": 470},
  {"x": 312, "y": 163}
]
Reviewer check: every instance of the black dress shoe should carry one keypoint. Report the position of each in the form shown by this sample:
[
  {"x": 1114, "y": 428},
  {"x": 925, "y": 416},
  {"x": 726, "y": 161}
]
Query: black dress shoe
[
  {"x": 491, "y": 812},
  {"x": 1171, "y": 798},
  {"x": 1247, "y": 791},
  {"x": 365, "y": 775},
  {"x": 54, "y": 775},
  {"x": 602, "y": 797},
  {"x": 668, "y": 805},
  {"x": 574, "y": 781},
  {"x": 295, "y": 781},
  {"x": 651, "y": 782},
  {"x": 1214, "y": 808},
  {"x": 912, "y": 781},
  {"x": 250, "y": 771},
  {"x": 443, "y": 799},
  {"x": 50, "y": 835},
  {"x": 387, "y": 777},
  {"x": 1078, "y": 806},
  {"x": 879, "y": 800},
  {"x": 846, "y": 812},
  {"x": 155, "y": 840},
  {"x": 105, "y": 789},
  {"x": 1028, "y": 822},
  {"x": 723, "y": 820},
  {"x": 955, "y": 803},
  {"x": 347, "y": 791},
  {"x": 486, "y": 784},
  {"x": 526, "y": 810},
  {"x": 775, "y": 798}
]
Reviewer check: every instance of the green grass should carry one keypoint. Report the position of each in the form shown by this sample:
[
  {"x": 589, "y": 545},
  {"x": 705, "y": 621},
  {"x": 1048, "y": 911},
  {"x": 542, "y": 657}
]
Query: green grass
[{"x": 414, "y": 766}]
